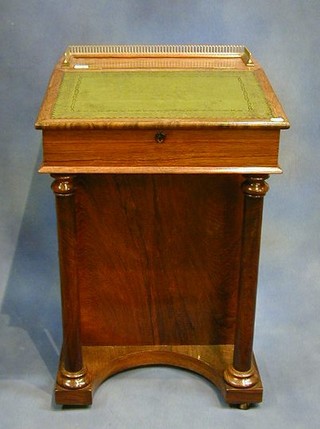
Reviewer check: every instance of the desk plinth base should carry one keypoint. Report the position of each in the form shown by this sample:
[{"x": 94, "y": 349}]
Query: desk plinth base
[{"x": 208, "y": 361}]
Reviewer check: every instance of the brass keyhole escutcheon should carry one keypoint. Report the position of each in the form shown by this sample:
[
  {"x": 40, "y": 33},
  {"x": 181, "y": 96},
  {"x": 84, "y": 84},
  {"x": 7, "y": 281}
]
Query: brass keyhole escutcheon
[{"x": 160, "y": 137}]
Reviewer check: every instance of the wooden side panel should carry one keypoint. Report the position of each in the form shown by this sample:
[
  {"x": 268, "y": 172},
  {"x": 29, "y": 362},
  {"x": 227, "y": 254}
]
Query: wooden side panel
[{"x": 158, "y": 258}]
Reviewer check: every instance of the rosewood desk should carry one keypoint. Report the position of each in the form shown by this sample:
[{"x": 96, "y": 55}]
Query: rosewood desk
[{"x": 160, "y": 156}]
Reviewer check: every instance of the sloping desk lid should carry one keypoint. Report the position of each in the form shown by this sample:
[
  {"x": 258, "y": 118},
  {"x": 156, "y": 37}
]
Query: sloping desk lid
[{"x": 139, "y": 86}]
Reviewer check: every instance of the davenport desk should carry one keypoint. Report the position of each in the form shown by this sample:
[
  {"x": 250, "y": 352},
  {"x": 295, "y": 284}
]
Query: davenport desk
[{"x": 160, "y": 156}]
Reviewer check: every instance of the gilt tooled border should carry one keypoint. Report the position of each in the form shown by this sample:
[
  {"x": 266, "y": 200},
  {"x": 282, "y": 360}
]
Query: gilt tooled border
[{"x": 139, "y": 111}]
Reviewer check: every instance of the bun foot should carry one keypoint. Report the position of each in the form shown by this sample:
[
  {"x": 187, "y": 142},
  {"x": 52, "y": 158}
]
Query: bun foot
[{"x": 244, "y": 406}]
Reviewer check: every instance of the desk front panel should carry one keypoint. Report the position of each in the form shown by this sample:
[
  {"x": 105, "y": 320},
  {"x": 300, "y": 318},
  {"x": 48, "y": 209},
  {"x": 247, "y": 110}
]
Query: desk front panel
[
  {"x": 158, "y": 258},
  {"x": 137, "y": 150}
]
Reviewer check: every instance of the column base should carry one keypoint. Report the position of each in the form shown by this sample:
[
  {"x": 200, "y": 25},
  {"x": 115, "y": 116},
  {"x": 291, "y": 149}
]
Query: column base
[
  {"x": 105, "y": 361},
  {"x": 241, "y": 379},
  {"x": 73, "y": 388},
  {"x": 73, "y": 397}
]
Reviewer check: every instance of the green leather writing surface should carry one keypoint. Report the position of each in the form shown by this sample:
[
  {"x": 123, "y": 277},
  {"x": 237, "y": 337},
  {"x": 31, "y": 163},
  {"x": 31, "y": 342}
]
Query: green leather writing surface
[{"x": 206, "y": 94}]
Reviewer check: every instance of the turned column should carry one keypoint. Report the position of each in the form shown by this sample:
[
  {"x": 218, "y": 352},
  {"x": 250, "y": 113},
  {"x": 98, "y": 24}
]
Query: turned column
[
  {"x": 72, "y": 374},
  {"x": 242, "y": 372}
]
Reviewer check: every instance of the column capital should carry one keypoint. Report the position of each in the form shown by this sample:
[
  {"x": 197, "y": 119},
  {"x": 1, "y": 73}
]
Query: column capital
[
  {"x": 63, "y": 185},
  {"x": 255, "y": 186}
]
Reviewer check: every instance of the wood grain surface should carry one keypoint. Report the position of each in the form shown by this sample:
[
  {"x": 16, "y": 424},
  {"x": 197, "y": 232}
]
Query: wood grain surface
[
  {"x": 159, "y": 243},
  {"x": 207, "y": 361},
  {"x": 127, "y": 151},
  {"x": 158, "y": 258}
]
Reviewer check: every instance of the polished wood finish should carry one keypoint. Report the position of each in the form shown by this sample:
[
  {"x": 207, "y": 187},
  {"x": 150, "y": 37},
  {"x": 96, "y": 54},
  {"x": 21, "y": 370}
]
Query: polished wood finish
[
  {"x": 242, "y": 373},
  {"x": 159, "y": 224},
  {"x": 72, "y": 374},
  {"x": 136, "y": 151},
  {"x": 46, "y": 122},
  {"x": 63, "y": 188},
  {"x": 174, "y": 264},
  {"x": 207, "y": 361},
  {"x": 254, "y": 188}
]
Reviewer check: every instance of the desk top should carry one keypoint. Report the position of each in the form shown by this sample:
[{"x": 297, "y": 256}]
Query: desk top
[{"x": 167, "y": 86}]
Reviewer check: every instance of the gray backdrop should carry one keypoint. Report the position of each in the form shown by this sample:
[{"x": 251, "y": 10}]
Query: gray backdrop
[{"x": 284, "y": 36}]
